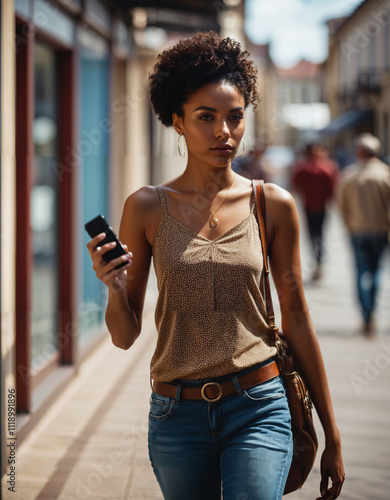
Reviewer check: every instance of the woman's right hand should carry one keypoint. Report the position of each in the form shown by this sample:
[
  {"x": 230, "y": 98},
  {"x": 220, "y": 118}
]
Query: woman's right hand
[{"x": 114, "y": 279}]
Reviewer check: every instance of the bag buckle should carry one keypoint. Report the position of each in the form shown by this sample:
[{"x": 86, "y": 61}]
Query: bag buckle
[
  {"x": 307, "y": 402},
  {"x": 210, "y": 384}
]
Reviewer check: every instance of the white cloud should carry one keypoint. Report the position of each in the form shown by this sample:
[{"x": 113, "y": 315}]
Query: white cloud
[
  {"x": 292, "y": 44},
  {"x": 295, "y": 28}
]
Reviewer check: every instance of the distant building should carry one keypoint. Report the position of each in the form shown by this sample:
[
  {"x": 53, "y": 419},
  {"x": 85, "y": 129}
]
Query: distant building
[
  {"x": 358, "y": 78},
  {"x": 267, "y": 122},
  {"x": 292, "y": 100},
  {"x": 300, "y": 84},
  {"x": 301, "y": 100}
]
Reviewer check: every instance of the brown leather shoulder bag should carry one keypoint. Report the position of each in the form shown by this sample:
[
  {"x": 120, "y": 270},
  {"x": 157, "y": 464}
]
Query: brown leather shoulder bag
[{"x": 304, "y": 434}]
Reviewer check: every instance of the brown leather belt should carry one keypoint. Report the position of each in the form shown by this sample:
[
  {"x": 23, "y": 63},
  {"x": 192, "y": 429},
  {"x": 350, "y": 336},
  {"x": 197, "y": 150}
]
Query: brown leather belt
[{"x": 214, "y": 391}]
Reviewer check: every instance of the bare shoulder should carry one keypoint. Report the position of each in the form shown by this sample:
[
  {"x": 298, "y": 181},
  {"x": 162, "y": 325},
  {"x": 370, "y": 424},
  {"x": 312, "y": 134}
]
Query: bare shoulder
[
  {"x": 140, "y": 208},
  {"x": 277, "y": 198},
  {"x": 282, "y": 216},
  {"x": 143, "y": 213},
  {"x": 143, "y": 201}
]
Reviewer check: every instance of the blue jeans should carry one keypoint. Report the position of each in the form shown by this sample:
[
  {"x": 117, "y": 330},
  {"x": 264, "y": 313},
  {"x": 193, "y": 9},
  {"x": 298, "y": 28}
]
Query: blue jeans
[
  {"x": 241, "y": 445},
  {"x": 368, "y": 251}
]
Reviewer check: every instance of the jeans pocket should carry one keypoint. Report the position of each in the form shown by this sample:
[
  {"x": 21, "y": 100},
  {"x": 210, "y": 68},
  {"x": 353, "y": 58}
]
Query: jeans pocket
[
  {"x": 272, "y": 389},
  {"x": 160, "y": 406}
]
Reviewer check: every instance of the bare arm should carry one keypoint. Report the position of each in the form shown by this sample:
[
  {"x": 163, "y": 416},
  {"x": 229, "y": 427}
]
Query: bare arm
[
  {"x": 283, "y": 239},
  {"x": 127, "y": 286}
]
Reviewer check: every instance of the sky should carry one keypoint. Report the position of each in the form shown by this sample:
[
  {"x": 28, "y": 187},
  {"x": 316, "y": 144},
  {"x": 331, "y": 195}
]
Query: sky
[{"x": 296, "y": 29}]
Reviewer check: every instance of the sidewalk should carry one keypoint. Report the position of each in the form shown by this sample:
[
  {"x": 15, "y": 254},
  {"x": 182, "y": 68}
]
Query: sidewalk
[{"x": 93, "y": 443}]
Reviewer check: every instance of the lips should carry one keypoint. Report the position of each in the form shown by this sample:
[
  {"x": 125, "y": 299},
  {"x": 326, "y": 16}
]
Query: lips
[{"x": 223, "y": 148}]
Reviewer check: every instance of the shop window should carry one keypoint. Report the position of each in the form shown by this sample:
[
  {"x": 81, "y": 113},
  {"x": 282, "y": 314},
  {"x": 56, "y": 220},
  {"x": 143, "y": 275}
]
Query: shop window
[
  {"x": 48, "y": 17},
  {"x": 92, "y": 150},
  {"x": 43, "y": 207},
  {"x": 22, "y": 7}
]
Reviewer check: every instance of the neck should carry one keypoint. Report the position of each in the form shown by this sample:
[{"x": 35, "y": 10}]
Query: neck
[
  {"x": 211, "y": 191},
  {"x": 212, "y": 180}
]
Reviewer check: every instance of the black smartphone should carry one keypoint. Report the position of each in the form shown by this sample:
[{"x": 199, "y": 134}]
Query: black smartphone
[{"x": 100, "y": 225}]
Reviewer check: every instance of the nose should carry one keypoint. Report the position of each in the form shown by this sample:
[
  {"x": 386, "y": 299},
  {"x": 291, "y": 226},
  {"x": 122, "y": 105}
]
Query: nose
[{"x": 222, "y": 130}]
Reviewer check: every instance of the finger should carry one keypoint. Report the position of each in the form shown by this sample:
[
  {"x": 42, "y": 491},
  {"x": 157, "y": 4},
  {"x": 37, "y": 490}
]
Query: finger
[
  {"x": 337, "y": 488},
  {"x": 337, "y": 483},
  {"x": 121, "y": 260},
  {"x": 99, "y": 253},
  {"x": 119, "y": 273},
  {"x": 127, "y": 250},
  {"x": 109, "y": 275},
  {"x": 97, "y": 256},
  {"x": 106, "y": 248},
  {"x": 332, "y": 493},
  {"x": 324, "y": 485},
  {"x": 109, "y": 246},
  {"x": 325, "y": 496},
  {"x": 92, "y": 244},
  {"x": 109, "y": 267}
]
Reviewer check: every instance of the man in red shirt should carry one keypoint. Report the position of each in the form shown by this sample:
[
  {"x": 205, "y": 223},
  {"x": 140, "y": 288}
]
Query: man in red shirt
[{"x": 314, "y": 177}]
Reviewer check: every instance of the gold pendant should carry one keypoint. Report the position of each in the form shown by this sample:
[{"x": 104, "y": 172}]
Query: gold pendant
[{"x": 213, "y": 221}]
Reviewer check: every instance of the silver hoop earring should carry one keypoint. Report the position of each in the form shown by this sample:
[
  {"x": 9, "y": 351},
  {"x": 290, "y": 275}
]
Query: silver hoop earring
[
  {"x": 243, "y": 149},
  {"x": 184, "y": 145}
]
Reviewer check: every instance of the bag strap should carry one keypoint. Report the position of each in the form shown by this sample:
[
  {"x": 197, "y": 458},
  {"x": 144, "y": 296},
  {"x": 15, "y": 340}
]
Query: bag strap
[{"x": 261, "y": 216}]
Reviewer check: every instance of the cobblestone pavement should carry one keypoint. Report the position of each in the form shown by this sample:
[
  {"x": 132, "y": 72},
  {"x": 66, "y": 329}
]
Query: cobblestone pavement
[{"x": 93, "y": 443}]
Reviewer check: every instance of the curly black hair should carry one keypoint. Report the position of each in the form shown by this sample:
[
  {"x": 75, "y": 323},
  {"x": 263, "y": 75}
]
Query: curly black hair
[{"x": 193, "y": 62}]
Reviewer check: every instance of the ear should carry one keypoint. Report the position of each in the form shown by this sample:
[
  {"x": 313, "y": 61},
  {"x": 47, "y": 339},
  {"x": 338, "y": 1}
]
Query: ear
[{"x": 178, "y": 124}]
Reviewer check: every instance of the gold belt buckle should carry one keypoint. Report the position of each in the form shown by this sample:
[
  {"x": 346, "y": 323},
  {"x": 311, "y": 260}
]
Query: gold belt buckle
[{"x": 203, "y": 392}]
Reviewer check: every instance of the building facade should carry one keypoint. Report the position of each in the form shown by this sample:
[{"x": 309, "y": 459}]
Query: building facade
[
  {"x": 65, "y": 67},
  {"x": 268, "y": 122},
  {"x": 301, "y": 102},
  {"x": 358, "y": 77}
]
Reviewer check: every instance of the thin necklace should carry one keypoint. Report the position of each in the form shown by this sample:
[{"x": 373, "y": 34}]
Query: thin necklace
[{"x": 213, "y": 221}]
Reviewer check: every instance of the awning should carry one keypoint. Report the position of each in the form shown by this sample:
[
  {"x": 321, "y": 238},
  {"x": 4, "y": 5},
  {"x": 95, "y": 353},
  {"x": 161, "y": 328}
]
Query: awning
[
  {"x": 347, "y": 120},
  {"x": 178, "y": 15}
]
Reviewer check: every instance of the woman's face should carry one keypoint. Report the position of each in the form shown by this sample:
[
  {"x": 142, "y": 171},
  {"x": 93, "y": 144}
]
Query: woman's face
[{"x": 213, "y": 123}]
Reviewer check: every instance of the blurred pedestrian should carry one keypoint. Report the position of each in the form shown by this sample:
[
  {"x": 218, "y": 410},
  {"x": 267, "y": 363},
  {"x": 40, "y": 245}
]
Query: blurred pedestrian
[
  {"x": 254, "y": 165},
  {"x": 314, "y": 178},
  {"x": 219, "y": 420},
  {"x": 364, "y": 199}
]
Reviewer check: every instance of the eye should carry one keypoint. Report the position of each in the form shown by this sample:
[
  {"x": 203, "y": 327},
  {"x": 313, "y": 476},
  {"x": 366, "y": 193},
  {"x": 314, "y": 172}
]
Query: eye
[
  {"x": 205, "y": 118},
  {"x": 237, "y": 118}
]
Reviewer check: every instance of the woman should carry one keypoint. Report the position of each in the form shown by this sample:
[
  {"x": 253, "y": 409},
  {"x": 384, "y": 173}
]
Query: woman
[{"x": 210, "y": 425}]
